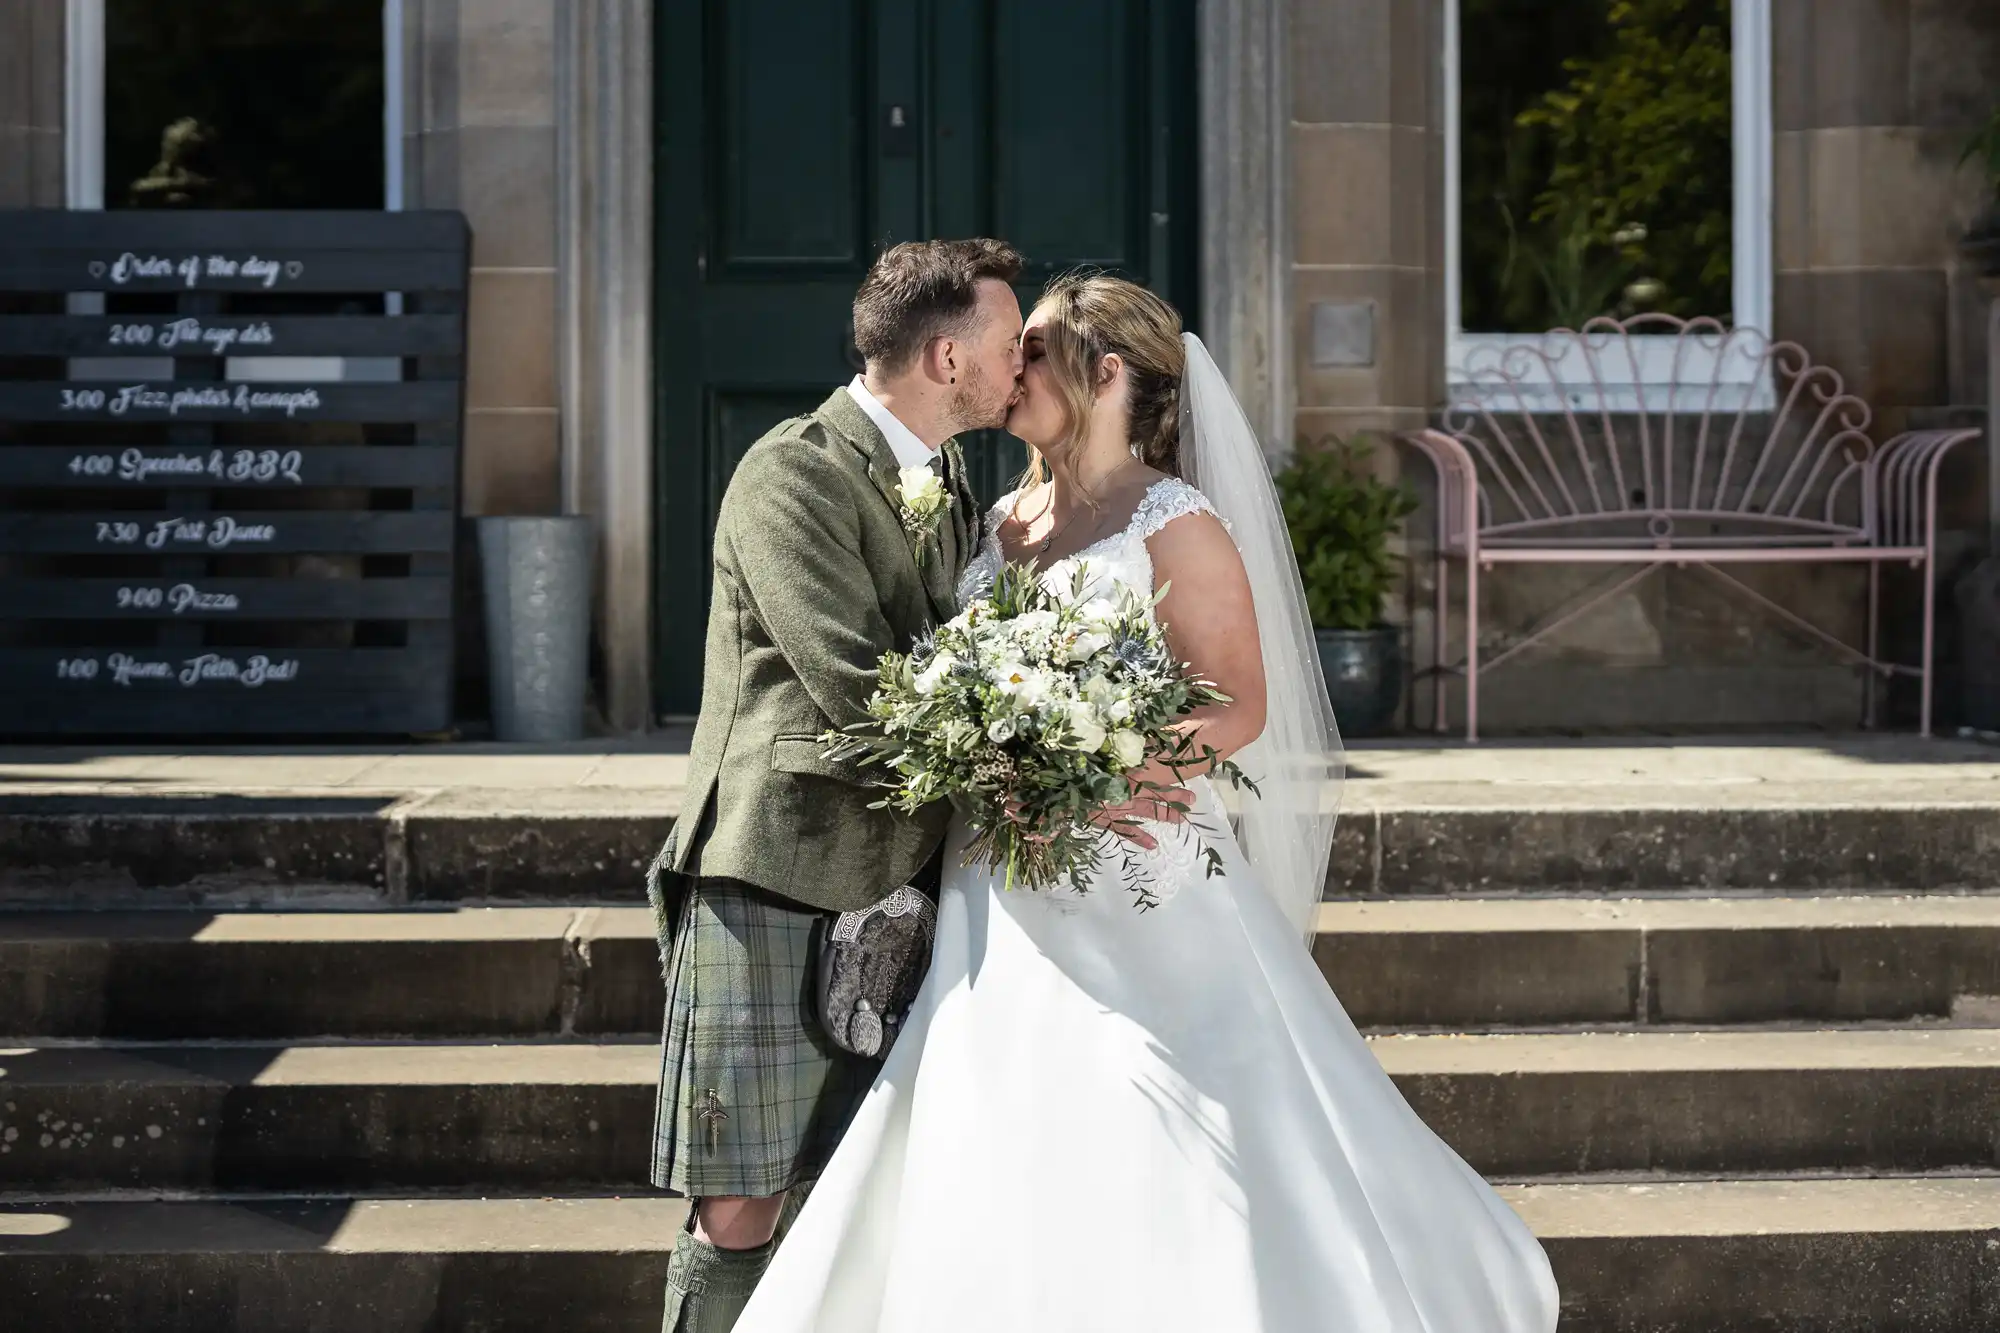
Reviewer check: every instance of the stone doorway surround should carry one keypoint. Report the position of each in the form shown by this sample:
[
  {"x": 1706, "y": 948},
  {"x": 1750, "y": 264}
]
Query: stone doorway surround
[{"x": 605, "y": 323}]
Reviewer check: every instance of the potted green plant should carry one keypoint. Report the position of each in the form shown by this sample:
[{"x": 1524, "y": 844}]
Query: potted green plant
[
  {"x": 1982, "y": 239},
  {"x": 1341, "y": 517}
]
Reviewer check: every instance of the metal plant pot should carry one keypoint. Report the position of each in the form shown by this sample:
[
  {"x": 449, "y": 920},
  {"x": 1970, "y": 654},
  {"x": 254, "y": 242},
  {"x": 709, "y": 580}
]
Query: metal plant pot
[
  {"x": 536, "y": 577},
  {"x": 1981, "y": 242},
  {"x": 1364, "y": 677}
]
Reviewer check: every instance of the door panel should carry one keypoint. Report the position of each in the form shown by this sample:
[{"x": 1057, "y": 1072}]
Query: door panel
[
  {"x": 790, "y": 106},
  {"x": 797, "y": 137},
  {"x": 1063, "y": 165}
]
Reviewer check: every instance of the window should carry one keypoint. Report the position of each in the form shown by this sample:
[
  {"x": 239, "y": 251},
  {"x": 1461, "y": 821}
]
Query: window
[
  {"x": 235, "y": 104},
  {"x": 1607, "y": 158},
  {"x": 243, "y": 104}
]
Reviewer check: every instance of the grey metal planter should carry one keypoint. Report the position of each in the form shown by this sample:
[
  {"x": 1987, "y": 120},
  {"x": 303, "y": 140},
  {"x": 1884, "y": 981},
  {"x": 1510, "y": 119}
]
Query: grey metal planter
[
  {"x": 1981, "y": 242},
  {"x": 536, "y": 577},
  {"x": 1364, "y": 677}
]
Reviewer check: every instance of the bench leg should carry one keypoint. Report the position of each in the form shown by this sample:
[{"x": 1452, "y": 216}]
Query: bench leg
[
  {"x": 1928, "y": 665},
  {"x": 1871, "y": 678},
  {"x": 1472, "y": 651},
  {"x": 1440, "y": 628}
]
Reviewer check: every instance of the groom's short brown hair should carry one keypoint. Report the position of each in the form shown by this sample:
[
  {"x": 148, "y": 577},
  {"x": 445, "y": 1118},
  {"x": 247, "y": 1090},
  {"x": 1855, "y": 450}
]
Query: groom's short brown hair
[{"x": 921, "y": 290}]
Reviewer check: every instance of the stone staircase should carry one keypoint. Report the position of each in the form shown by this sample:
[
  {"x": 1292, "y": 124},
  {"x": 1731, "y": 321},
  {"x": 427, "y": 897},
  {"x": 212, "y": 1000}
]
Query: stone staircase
[{"x": 1731, "y": 1106}]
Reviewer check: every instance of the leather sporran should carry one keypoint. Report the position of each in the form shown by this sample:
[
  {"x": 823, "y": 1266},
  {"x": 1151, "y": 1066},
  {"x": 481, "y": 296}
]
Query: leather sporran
[{"x": 871, "y": 965}]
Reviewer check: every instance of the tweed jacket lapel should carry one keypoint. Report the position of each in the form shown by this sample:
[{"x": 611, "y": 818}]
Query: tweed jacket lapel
[
  {"x": 844, "y": 416},
  {"x": 965, "y": 515}
]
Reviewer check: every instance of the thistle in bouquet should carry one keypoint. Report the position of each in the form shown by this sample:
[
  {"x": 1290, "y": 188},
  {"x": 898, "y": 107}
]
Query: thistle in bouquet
[{"x": 1036, "y": 711}]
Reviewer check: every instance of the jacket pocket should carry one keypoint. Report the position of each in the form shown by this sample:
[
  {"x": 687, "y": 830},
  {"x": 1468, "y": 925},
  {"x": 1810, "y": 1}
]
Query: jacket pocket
[{"x": 807, "y": 754}]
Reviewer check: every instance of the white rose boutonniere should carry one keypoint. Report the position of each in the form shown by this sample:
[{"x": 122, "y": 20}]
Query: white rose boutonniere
[{"x": 924, "y": 501}]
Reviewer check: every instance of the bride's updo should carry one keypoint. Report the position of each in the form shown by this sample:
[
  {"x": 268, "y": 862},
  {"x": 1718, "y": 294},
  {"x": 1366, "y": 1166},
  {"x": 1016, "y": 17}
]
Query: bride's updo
[{"x": 1091, "y": 316}]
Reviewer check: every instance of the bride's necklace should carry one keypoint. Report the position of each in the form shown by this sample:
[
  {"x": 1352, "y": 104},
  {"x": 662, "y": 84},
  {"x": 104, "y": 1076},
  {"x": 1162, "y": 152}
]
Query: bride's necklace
[{"x": 1054, "y": 533}]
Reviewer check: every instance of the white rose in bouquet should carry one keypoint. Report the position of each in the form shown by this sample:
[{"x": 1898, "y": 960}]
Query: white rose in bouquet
[
  {"x": 1127, "y": 748},
  {"x": 1085, "y": 728}
]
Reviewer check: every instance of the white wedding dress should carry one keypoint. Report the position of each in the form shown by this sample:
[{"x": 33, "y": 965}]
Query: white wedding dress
[{"x": 1100, "y": 1120}]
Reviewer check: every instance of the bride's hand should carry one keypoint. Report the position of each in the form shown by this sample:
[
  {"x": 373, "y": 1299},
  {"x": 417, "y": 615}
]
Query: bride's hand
[{"x": 1158, "y": 805}]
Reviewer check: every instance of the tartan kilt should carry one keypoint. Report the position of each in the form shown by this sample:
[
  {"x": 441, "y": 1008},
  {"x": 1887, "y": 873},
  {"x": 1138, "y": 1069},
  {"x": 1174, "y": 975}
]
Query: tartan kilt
[{"x": 753, "y": 1097}]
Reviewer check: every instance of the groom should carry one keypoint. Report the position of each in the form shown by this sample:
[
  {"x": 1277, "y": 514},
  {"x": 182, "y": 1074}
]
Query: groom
[{"x": 820, "y": 569}]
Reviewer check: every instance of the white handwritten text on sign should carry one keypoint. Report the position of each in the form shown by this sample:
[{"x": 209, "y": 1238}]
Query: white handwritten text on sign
[
  {"x": 189, "y": 270},
  {"x": 215, "y": 531},
  {"x": 241, "y": 465},
  {"x": 206, "y": 669},
  {"x": 181, "y": 598},
  {"x": 173, "y": 401},
  {"x": 169, "y": 335}
]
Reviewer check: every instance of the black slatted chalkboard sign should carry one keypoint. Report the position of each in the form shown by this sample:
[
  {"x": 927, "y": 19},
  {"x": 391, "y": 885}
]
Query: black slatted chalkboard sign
[{"x": 198, "y": 534}]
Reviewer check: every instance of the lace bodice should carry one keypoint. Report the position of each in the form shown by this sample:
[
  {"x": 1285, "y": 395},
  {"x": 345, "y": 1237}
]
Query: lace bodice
[{"x": 1121, "y": 557}]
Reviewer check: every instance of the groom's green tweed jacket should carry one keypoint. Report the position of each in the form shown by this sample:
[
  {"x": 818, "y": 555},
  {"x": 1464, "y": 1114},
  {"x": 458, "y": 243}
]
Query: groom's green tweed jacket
[{"x": 815, "y": 578}]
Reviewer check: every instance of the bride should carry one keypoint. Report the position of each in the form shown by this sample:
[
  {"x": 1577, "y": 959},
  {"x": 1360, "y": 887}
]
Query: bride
[{"x": 1098, "y": 1119}]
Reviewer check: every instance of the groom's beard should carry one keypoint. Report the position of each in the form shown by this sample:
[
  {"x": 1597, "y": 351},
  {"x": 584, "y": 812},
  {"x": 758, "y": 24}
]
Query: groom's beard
[{"x": 979, "y": 404}]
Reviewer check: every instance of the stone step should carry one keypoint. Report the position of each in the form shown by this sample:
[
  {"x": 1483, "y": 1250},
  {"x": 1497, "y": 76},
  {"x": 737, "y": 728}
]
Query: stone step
[
  {"x": 580, "y": 1116},
  {"x": 327, "y": 1118},
  {"x": 1414, "y": 963},
  {"x": 1818, "y": 1256},
  {"x": 449, "y": 972},
  {"x": 1398, "y": 838},
  {"x": 1459, "y": 963},
  {"x": 338, "y": 1265},
  {"x": 1779, "y": 1256},
  {"x": 1700, "y": 1103}
]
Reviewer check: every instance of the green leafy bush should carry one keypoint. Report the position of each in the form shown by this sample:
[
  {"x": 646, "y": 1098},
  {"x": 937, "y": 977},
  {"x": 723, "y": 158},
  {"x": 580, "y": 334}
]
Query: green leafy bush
[
  {"x": 1597, "y": 160},
  {"x": 1341, "y": 517}
]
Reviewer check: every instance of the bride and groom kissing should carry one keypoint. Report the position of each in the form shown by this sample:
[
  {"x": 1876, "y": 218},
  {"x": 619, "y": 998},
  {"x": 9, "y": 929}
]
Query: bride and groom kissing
[{"x": 1092, "y": 1118}]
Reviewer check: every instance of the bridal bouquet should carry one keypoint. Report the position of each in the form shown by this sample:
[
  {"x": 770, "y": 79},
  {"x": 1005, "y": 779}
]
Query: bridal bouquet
[{"x": 1033, "y": 711}]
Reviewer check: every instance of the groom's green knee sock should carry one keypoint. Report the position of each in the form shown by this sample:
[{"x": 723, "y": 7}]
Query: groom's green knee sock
[{"x": 707, "y": 1287}]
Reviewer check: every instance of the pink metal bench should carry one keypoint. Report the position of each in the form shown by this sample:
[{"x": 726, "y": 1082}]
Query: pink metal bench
[{"x": 1558, "y": 450}]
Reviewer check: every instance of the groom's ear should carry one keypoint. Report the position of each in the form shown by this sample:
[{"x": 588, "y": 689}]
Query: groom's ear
[{"x": 944, "y": 359}]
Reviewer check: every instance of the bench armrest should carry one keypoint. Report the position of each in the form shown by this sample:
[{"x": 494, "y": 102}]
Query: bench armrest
[
  {"x": 1458, "y": 488},
  {"x": 1904, "y": 477}
]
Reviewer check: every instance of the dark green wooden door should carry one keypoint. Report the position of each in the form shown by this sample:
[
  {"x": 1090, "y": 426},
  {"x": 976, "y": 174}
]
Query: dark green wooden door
[{"x": 798, "y": 137}]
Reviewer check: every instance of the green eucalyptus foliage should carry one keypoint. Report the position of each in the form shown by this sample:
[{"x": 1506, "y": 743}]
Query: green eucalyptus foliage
[{"x": 1342, "y": 517}]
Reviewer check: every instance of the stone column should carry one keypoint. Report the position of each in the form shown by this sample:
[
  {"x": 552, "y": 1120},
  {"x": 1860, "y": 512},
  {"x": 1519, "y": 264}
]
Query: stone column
[
  {"x": 479, "y": 117},
  {"x": 1367, "y": 213},
  {"x": 31, "y": 103},
  {"x": 1367, "y": 288},
  {"x": 482, "y": 139},
  {"x": 1873, "y": 104},
  {"x": 1246, "y": 242},
  {"x": 605, "y": 235}
]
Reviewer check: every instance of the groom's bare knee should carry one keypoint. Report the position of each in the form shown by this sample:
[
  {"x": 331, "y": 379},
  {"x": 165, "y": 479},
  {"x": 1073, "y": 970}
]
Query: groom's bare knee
[{"x": 737, "y": 1224}]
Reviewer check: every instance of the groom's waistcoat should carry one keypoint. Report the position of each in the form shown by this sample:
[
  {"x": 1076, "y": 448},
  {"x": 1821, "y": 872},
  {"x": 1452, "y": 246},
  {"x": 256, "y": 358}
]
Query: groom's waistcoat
[{"x": 815, "y": 578}]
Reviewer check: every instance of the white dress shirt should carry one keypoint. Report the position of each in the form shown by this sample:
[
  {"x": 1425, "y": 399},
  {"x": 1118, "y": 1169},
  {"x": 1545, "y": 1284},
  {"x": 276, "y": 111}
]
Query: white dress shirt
[{"x": 903, "y": 442}]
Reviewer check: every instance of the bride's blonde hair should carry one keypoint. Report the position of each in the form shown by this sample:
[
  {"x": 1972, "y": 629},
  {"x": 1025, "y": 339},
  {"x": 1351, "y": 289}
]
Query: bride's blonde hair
[{"x": 1090, "y": 316}]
